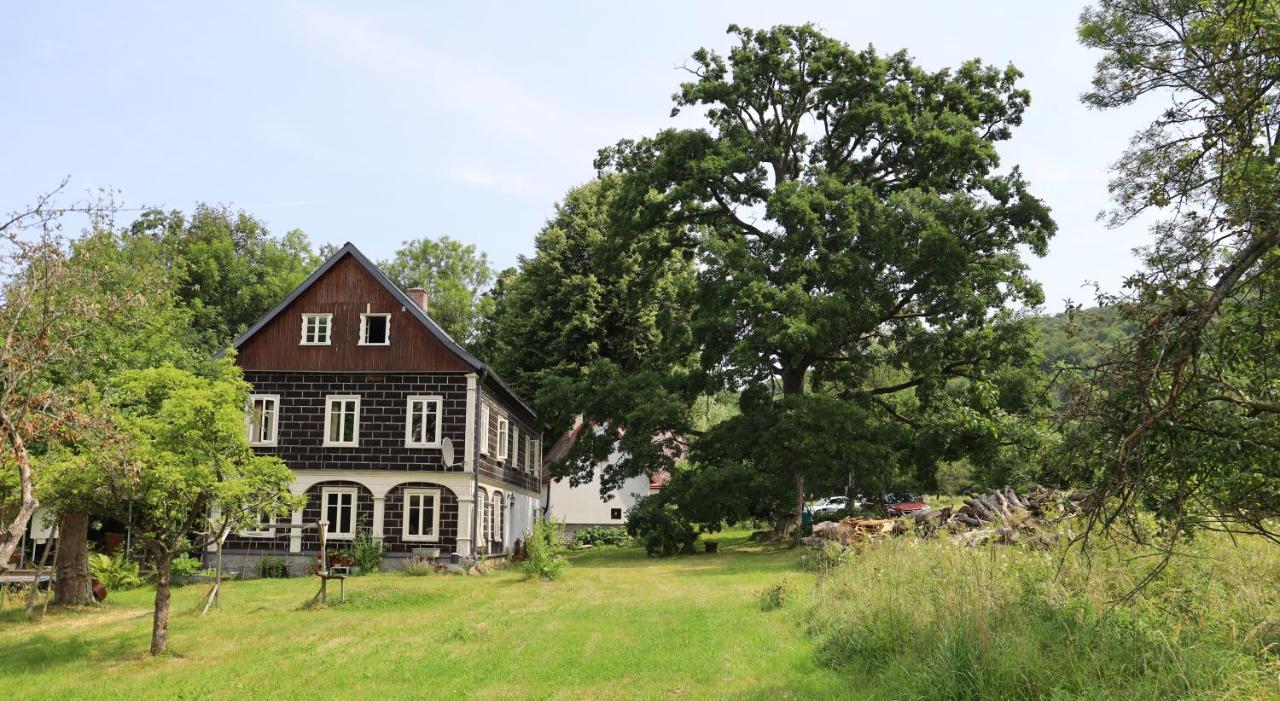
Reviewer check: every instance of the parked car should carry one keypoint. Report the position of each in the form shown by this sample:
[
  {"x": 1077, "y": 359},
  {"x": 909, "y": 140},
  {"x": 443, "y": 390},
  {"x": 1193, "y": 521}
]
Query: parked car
[
  {"x": 829, "y": 505},
  {"x": 903, "y": 504}
]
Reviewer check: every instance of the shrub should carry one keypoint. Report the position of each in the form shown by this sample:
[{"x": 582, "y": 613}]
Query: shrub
[
  {"x": 419, "y": 567},
  {"x": 273, "y": 568},
  {"x": 827, "y": 557},
  {"x": 774, "y": 597},
  {"x": 602, "y": 535},
  {"x": 366, "y": 551},
  {"x": 660, "y": 527},
  {"x": 186, "y": 566},
  {"x": 546, "y": 550},
  {"x": 115, "y": 573}
]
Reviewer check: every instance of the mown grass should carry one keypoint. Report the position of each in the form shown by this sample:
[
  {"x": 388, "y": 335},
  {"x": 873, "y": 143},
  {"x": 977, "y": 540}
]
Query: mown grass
[
  {"x": 928, "y": 620},
  {"x": 618, "y": 625},
  {"x": 906, "y": 619}
]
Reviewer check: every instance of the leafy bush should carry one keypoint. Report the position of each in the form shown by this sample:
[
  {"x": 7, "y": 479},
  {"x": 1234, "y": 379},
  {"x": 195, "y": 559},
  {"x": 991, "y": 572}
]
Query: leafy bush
[
  {"x": 775, "y": 597},
  {"x": 660, "y": 527},
  {"x": 186, "y": 566},
  {"x": 115, "y": 573},
  {"x": 273, "y": 568},
  {"x": 546, "y": 550},
  {"x": 602, "y": 535},
  {"x": 366, "y": 551}
]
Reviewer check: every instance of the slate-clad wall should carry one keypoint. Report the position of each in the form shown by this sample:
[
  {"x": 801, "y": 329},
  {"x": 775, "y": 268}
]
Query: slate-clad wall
[{"x": 382, "y": 418}]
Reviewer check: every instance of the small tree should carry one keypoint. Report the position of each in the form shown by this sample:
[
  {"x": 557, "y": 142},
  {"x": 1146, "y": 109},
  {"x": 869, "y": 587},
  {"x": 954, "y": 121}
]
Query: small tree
[{"x": 188, "y": 458}]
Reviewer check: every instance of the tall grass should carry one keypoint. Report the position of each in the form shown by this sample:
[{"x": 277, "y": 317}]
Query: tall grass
[{"x": 927, "y": 619}]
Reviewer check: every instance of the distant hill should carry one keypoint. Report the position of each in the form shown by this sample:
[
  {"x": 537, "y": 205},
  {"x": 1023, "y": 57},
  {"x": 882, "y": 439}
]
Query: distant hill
[{"x": 1078, "y": 340}]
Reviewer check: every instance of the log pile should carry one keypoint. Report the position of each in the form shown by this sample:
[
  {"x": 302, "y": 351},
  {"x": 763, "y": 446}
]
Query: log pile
[{"x": 1000, "y": 516}]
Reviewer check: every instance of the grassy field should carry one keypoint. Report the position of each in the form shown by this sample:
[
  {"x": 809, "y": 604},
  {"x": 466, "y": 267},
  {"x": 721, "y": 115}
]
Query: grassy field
[
  {"x": 904, "y": 620},
  {"x": 619, "y": 625}
]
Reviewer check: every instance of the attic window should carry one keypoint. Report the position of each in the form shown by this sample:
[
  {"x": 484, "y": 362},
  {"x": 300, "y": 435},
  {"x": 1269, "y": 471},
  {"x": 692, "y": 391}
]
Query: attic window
[
  {"x": 315, "y": 329},
  {"x": 375, "y": 329}
]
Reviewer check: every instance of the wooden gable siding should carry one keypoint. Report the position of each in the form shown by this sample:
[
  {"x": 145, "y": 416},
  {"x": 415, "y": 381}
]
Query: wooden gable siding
[{"x": 347, "y": 290}]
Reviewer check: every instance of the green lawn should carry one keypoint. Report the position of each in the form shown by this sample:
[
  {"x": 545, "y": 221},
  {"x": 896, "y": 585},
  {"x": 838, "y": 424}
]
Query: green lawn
[{"x": 619, "y": 625}]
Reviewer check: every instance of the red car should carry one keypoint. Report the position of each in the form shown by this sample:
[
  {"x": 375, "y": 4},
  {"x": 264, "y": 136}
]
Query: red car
[{"x": 903, "y": 504}]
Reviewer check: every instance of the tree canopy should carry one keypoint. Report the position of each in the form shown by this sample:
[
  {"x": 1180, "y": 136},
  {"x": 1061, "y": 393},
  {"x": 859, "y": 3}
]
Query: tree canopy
[{"x": 455, "y": 276}]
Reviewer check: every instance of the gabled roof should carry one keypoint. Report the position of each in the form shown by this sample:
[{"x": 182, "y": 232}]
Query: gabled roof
[{"x": 418, "y": 313}]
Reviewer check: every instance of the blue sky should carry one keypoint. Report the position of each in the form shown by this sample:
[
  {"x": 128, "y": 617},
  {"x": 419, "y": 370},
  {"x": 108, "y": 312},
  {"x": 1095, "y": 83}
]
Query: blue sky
[{"x": 401, "y": 120}]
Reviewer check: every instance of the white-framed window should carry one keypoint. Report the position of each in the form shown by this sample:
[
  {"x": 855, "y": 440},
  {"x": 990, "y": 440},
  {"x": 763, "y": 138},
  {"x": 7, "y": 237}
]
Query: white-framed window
[
  {"x": 257, "y": 531},
  {"x": 528, "y": 454},
  {"x": 264, "y": 418},
  {"x": 488, "y": 529},
  {"x": 484, "y": 429},
  {"x": 341, "y": 420},
  {"x": 421, "y": 515},
  {"x": 515, "y": 446},
  {"x": 503, "y": 437},
  {"x": 423, "y": 419},
  {"x": 499, "y": 505},
  {"x": 338, "y": 507},
  {"x": 375, "y": 329},
  {"x": 316, "y": 329},
  {"x": 482, "y": 538}
]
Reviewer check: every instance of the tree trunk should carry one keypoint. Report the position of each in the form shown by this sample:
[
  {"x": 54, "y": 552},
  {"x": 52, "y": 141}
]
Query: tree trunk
[
  {"x": 12, "y": 534},
  {"x": 160, "y": 621},
  {"x": 793, "y": 384},
  {"x": 73, "y": 585}
]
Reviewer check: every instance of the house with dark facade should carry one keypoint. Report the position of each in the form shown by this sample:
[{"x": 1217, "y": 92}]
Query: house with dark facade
[{"x": 388, "y": 424}]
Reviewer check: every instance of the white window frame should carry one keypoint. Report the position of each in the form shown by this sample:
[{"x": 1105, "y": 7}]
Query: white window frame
[
  {"x": 504, "y": 439},
  {"x": 499, "y": 518},
  {"x": 275, "y": 421},
  {"x": 434, "y": 441},
  {"x": 328, "y": 414},
  {"x": 483, "y": 534},
  {"x": 515, "y": 446},
  {"x": 528, "y": 454},
  {"x": 434, "y": 535},
  {"x": 328, "y": 329},
  {"x": 264, "y": 533},
  {"x": 363, "y": 320},
  {"x": 484, "y": 429},
  {"x": 355, "y": 511}
]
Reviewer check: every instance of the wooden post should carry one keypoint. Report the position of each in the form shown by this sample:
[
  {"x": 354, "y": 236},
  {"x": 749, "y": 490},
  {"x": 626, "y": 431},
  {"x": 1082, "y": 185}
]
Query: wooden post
[{"x": 324, "y": 563}]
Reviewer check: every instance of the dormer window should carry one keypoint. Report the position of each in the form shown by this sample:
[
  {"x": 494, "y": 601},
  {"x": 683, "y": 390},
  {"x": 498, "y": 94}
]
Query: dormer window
[
  {"x": 315, "y": 329},
  {"x": 375, "y": 329}
]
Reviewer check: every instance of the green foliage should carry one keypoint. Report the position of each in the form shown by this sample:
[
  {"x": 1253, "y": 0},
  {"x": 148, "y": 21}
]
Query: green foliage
[
  {"x": 602, "y": 535},
  {"x": 115, "y": 573},
  {"x": 774, "y": 597},
  {"x": 597, "y": 325},
  {"x": 546, "y": 550},
  {"x": 660, "y": 526},
  {"x": 273, "y": 567},
  {"x": 1180, "y": 420},
  {"x": 828, "y": 556},
  {"x": 186, "y": 566},
  {"x": 366, "y": 551},
  {"x": 456, "y": 277},
  {"x": 229, "y": 268}
]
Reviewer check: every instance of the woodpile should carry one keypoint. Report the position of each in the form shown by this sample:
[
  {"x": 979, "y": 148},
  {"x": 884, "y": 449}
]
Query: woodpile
[{"x": 1000, "y": 516}]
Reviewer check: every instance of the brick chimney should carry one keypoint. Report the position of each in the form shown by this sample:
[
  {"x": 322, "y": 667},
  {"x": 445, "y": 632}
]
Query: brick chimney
[{"x": 418, "y": 296}]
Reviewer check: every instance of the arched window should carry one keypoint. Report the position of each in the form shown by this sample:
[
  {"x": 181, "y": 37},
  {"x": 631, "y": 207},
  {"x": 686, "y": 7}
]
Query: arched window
[{"x": 498, "y": 504}]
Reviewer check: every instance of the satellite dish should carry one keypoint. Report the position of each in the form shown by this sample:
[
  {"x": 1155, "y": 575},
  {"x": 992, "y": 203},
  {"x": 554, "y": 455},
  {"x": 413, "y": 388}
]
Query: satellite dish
[{"x": 446, "y": 451}]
